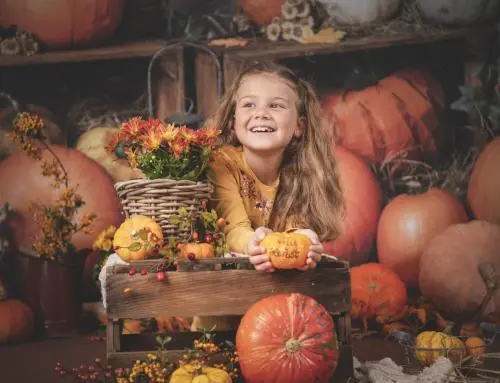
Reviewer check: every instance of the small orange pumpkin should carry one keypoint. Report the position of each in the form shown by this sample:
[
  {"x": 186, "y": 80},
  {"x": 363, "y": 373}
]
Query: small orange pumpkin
[
  {"x": 286, "y": 250},
  {"x": 134, "y": 239},
  {"x": 16, "y": 321},
  {"x": 199, "y": 250}
]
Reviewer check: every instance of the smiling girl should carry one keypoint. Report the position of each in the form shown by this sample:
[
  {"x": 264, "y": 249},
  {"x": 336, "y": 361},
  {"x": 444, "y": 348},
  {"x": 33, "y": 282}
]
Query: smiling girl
[{"x": 276, "y": 170}]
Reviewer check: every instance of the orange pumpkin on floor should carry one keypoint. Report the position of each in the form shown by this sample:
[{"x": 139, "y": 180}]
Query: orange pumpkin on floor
[
  {"x": 287, "y": 338},
  {"x": 16, "y": 321},
  {"x": 401, "y": 113},
  {"x": 378, "y": 293},
  {"x": 136, "y": 237},
  {"x": 286, "y": 250}
]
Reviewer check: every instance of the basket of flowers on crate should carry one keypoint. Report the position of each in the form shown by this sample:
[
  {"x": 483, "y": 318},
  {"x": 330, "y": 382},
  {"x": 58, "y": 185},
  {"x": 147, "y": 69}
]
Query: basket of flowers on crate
[{"x": 174, "y": 162}]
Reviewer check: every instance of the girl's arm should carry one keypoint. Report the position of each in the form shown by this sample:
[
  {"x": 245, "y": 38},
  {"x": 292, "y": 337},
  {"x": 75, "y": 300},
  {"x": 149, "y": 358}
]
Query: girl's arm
[{"x": 227, "y": 201}]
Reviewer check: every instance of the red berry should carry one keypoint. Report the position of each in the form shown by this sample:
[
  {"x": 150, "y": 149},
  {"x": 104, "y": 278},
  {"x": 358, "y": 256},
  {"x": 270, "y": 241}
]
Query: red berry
[
  {"x": 160, "y": 276},
  {"x": 144, "y": 271},
  {"x": 132, "y": 271},
  {"x": 204, "y": 204},
  {"x": 208, "y": 238},
  {"x": 194, "y": 236},
  {"x": 191, "y": 256}
]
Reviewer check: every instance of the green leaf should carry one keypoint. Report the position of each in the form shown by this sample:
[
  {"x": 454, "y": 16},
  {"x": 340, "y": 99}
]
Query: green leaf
[
  {"x": 143, "y": 235},
  {"x": 147, "y": 246},
  {"x": 136, "y": 246}
]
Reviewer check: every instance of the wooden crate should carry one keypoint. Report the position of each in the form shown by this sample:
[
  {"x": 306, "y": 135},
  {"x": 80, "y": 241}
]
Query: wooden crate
[
  {"x": 216, "y": 287},
  {"x": 233, "y": 59}
]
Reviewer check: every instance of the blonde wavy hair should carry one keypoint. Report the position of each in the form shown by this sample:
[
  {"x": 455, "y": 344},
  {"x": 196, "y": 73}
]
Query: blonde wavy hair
[{"x": 309, "y": 192}]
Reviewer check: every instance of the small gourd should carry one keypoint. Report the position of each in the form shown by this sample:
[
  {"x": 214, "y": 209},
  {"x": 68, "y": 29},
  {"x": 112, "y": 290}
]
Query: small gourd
[
  {"x": 135, "y": 238},
  {"x": 475, "y": 346},
  {"x": 286, "y": 250},
  {"x": 197, "y": 250},
  {"x": 432, "y": 345},
  {"x": 191, "y": 374}
]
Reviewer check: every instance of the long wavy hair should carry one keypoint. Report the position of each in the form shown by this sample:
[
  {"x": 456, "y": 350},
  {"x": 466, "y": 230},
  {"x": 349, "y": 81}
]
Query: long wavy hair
[{"x": 309, "y": 193}]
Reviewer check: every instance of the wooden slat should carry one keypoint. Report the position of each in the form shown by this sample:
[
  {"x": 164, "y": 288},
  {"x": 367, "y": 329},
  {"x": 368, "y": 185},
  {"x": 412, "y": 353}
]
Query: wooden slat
[
  {"x": 219, "y": 293},
  {"x": 170, "y": 86},
  {"x": 119, "y": 51}
]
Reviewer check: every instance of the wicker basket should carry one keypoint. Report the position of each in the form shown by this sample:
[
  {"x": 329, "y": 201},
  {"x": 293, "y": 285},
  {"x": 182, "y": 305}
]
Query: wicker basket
[{"x": 162, "y": 198}]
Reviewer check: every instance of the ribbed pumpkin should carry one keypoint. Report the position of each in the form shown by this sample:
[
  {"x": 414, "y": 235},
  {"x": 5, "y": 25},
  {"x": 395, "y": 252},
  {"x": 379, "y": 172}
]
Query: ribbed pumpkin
[
  {"x": 400, "y": 114},
  {"x": 376, "y": 293},
  {"x": 261, "y": 11},
  {"x": 458, "y": 12},
  {"x": 483, "y": 194},
  {"x": 449, "y": 276},
  {"x": 407, "y": 225},
  {"x": 287, "y": 338},
  {"x": 198, "y": 250},
  {"x": 22, "y": 182},
  {"x": 136, "y": 237},
  {"x": 63, "y": 23},
  {"x": 188, "y": 374},
  {"x": 363, "y": 203},
  {"x": 432, "y": 345}
]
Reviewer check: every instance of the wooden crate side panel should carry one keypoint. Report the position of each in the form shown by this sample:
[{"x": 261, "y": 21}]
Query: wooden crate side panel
[
  {"x": 170, "y": 86},
  {"x": 219, "y": 293}
]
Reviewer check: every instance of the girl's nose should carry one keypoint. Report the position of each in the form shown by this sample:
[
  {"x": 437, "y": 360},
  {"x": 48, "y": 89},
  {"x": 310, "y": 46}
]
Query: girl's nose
[{"x": 262, "y": 112}]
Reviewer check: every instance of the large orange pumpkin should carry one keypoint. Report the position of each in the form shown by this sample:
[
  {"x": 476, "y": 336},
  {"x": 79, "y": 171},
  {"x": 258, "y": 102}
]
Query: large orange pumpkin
[
  {"x": 483, "y": 194},
  {"x": 401, "y": 113},
  {"x": 287, "y": 338},
  {"x": 407, "y": 225},
  {"x": 63, "y": 23},
  {"x": 449, "y": 276},
  {"x": 363, "y": 200},
  {"x": 261, "y": 11},
  {"x": 22, "y": 182},
  {"x": 16, "y": 321},
  {"x": 286, "y": 250},
  {"x": 377, "y": 292}
]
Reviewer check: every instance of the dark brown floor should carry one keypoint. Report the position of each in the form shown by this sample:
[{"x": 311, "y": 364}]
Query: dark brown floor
[{"x": 33, "y": 362}]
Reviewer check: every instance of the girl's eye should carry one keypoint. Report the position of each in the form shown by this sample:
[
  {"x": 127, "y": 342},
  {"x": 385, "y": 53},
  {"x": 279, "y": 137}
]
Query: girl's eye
[
  {"x": 276, "y": 105},
  {"x": 247, "y": 104}
]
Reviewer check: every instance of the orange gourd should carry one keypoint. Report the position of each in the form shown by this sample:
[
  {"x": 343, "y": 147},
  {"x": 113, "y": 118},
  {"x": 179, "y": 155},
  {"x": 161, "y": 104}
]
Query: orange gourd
[
  {"x": 136, "y": 238},
  {"x": 475, "y": 346},
  {"x": 16, "y": 321},
  {"x": 483, "y": 194},
  {"x": 407, "y": 225},
  {"x": 363, "y": 204},
  {"x": 198, "y": 250},
  {"x": 286, "y": 250},
  {"x": 63, "y": 23},
  {"x": 261, "y": 11},
  {"x": 401, "y": 113},
  {"x": 376, "y": 293}
]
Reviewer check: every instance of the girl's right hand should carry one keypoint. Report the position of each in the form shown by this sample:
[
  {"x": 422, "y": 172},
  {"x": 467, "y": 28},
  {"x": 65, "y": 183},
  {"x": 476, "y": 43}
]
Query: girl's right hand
[{"x": 257, "y": 254}]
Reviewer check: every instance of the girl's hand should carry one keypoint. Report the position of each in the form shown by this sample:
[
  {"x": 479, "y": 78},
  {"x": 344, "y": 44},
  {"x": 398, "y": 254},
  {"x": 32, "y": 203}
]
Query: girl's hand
[
  {"x": 257, "y": 254},
  {"x": 315, "y": 251}
]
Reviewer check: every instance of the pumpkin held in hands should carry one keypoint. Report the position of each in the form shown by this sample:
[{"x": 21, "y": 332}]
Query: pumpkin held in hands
[
  {"x": 136, "y": 238},
  {"x": 377, "y": 292},
  {"x": 286, "y": 250},
  {"x": 189, "y": 374},
  {"x": 432, "y": 345},
  {"x": 287, "y": 338}
]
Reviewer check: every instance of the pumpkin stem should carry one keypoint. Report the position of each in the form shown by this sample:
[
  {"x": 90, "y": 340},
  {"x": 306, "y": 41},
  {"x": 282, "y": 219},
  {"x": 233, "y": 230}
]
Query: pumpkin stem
[{"x": 292, "y": 345}]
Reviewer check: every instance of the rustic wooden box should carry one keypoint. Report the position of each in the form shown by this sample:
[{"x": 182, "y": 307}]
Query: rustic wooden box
[{"x": 216, "y": 287}]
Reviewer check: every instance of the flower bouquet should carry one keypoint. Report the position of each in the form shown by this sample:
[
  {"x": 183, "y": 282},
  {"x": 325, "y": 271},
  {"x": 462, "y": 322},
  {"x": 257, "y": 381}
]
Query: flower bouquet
[{"x": 174, "y": 162}]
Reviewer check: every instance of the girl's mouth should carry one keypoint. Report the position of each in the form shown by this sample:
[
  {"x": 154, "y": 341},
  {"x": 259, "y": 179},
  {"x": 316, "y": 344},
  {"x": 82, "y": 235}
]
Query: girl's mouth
[{"x": 262, "y": 129}]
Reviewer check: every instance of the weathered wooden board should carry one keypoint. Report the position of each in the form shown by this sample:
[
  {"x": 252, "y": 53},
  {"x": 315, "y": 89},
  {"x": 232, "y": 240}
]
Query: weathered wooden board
[{"x": 218, "y": 293}]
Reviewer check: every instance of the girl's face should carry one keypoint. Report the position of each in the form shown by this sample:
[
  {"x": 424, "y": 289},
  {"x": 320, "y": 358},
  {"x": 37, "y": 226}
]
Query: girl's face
[{"x": 266, "y": 116}]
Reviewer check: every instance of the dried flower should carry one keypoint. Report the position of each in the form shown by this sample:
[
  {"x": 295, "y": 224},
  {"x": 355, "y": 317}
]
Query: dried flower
[
  {"x": 163, "y": 150},
  {"x": 56, "y": 222}
]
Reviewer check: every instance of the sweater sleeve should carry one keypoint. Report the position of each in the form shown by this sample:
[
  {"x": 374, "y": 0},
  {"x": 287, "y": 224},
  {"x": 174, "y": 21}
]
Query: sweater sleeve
[{"x": 228, "y": 203}]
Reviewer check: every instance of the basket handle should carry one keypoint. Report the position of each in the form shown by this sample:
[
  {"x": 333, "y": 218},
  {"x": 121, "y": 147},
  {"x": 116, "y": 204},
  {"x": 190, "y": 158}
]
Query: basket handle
[
  {"x": 11, "y": 100},
  {"x": 170, "y": 46}
]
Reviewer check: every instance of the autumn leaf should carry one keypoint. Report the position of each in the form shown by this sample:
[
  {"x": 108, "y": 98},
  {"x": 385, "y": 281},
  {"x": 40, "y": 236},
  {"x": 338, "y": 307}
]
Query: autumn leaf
[{"x": 135, "y": 246}]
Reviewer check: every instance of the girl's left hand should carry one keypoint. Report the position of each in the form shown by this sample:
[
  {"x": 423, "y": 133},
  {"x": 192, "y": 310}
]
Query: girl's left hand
[{"x": 315, "y": 251}]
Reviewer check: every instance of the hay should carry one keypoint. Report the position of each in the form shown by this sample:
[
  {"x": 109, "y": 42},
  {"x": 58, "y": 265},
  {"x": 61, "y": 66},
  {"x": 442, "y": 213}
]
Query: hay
[
  {"x": 104, "y": 111},
  {"x": 400, "y": 175},
  {"x": 409, "y": 21}
]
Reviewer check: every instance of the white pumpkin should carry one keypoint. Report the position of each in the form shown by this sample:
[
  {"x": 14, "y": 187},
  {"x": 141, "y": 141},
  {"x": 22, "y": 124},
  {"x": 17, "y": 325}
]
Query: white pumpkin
[
  {"x": 361, "y": 12},
  {"x": 93, "y": 143},
  {"x": 458, "y": 12}
]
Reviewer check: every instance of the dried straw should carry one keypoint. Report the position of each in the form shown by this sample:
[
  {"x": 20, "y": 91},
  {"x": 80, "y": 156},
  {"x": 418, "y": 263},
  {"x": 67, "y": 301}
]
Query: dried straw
[
  {"x": 408, "y": 21},
  {"x": 398, "y": 174}
]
